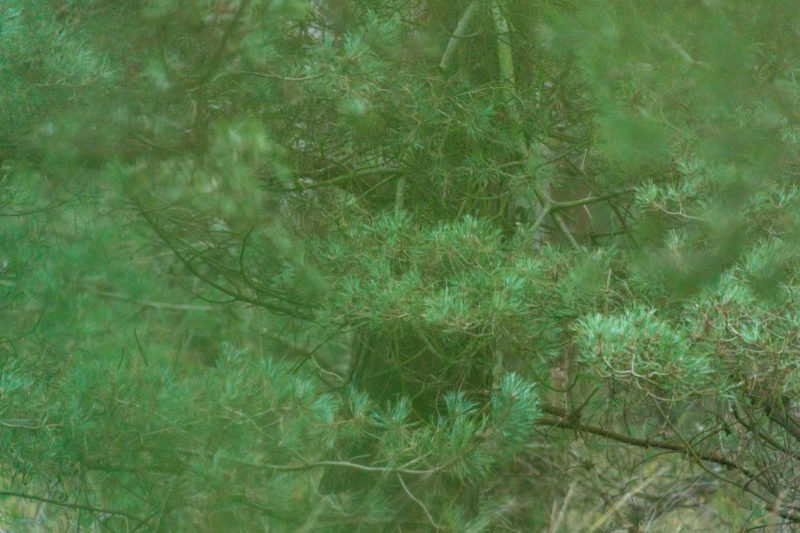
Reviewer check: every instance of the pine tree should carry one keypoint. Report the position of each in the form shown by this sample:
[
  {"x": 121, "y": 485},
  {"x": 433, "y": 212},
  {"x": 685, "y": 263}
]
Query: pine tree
[{"x": 413, "y": 266}]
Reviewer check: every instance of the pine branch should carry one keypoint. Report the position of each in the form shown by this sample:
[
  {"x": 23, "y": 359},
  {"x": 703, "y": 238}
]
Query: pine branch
[
  {"x": 570, "y": 419},
  {"x": 458, "y": 34},
  {"x": 187, "y": 262}
]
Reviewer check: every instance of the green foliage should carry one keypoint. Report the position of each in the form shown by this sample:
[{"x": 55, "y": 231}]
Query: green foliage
[
  {"x": 639, "y": 348},
  {"x": 325, "y": 266}
]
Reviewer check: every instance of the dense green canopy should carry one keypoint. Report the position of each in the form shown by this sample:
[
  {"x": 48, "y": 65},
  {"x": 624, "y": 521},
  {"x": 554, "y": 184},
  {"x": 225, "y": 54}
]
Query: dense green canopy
[{"x": 330, "y": 265}]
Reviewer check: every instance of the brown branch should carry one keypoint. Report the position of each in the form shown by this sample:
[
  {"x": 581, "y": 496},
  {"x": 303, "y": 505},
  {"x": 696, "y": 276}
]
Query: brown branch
[
  {"x": 779, "y": 416},
  {"x": 752, "y": 428},
  {"x": 80, "y": 506},
  {"x": 570, "y": 419},
  {"x": 187, "y": 262}
]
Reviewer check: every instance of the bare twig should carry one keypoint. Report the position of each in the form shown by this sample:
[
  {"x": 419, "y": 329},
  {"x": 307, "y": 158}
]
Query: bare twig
[
  {"x": 425, "y": 509},
  {"x": 339, "y": 179},
  {"x": 622, "y": 501},
  {"x": 570, "y": 204},
  {"x": 556, "y": 525},
  {"x": 275, "y": 76}
]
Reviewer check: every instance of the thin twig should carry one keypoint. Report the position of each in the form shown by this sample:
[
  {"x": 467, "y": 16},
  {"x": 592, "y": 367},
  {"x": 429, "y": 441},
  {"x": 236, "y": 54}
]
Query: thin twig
[
  {"x": 564, "y": 229},
  {"x": 275, "y": 76},
  {"x": 348, "y": 464},
  {"x": 570, "y": 204},
  {"x": 338, "y": 179},
  {"x": 562, "y": 512},
  {"x": 622, "y": 501},
  {"x": 425, "y": 509}
]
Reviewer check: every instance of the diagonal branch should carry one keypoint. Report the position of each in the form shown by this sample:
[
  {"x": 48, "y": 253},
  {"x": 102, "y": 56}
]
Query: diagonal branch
[
  {"x": 458, "y": 34},
  {"x": 570, "y": 419}
]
